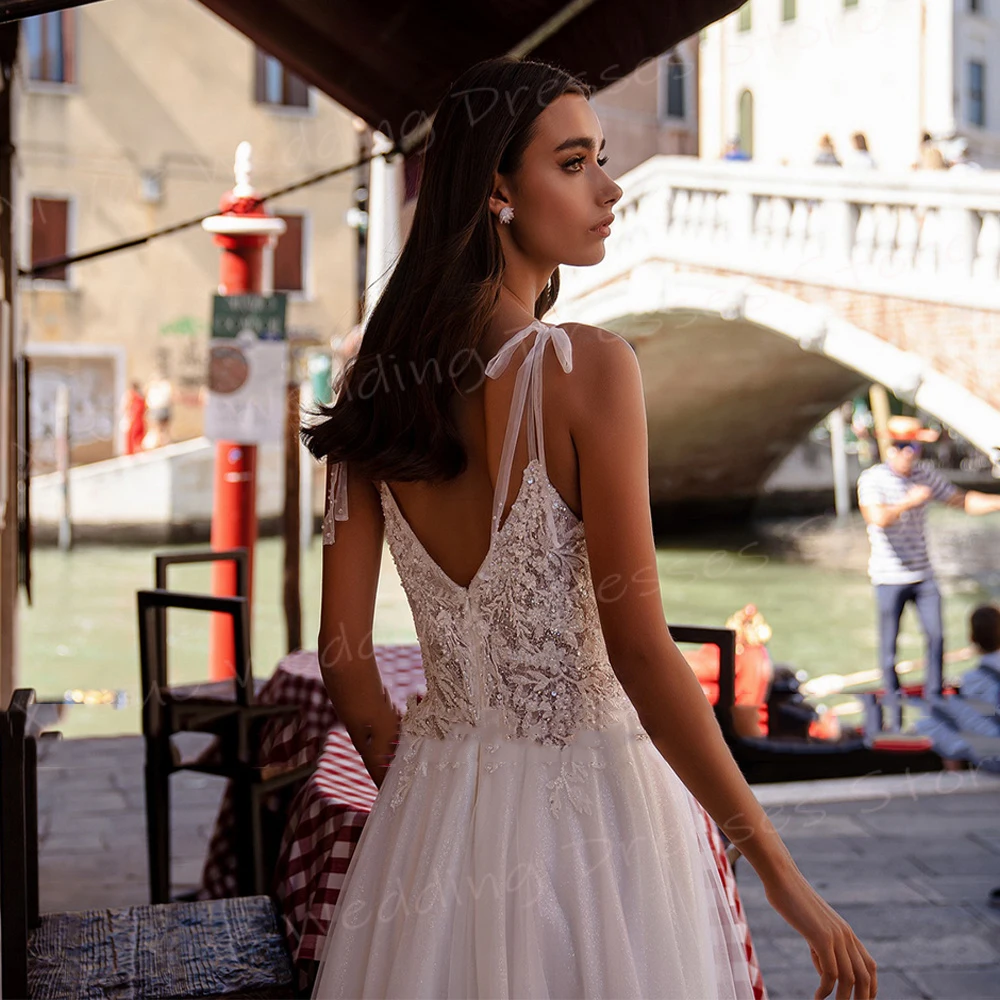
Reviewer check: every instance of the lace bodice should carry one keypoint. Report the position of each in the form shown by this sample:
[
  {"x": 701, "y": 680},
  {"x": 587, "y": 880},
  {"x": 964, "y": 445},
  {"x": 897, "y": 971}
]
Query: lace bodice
[{"x": 519, "y": 651}]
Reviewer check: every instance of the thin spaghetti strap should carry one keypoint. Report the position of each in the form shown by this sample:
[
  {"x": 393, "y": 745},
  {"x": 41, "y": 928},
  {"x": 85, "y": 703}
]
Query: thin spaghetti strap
[{"x": 529, "y": 377}]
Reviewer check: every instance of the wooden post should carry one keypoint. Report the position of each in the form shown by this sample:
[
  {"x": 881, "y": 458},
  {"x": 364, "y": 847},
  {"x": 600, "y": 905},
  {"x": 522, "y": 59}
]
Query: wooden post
[
  {"x": 290, "y": 523},
  {"x": 63, "y": 463},
  {"x": 9, "y": 546},
  {"x": 841, "y": 488},
  {"x": 879, "y": 398}
]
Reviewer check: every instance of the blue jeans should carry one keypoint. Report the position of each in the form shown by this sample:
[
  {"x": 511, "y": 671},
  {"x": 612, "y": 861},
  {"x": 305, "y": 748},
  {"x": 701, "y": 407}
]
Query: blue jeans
[{"x": 892, "y": 598}]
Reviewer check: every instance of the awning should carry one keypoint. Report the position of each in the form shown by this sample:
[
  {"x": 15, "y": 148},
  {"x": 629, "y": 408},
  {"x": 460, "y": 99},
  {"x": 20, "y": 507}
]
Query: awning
[{"x": 391, "y": 63}]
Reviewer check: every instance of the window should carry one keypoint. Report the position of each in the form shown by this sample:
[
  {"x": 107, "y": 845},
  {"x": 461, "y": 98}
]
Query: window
[
  {"x": 676, "y": 72},
  {"x": 289, "y": 256},
  {"x": 743, "y": 17},
  {"x": 273, "y": 84},
  {"x": 49, "y": 234},
  {"x": 977, "y": 103},
  {"x": 49, "y": 43},
  {"x": 787, "y": 10}
]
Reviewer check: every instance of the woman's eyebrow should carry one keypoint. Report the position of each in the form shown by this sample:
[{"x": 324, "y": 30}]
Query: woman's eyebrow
[{"x": 584, "y": 141}]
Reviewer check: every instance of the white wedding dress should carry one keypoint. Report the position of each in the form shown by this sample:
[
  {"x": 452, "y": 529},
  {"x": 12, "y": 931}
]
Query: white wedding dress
[{"x": 528, "y": 839}]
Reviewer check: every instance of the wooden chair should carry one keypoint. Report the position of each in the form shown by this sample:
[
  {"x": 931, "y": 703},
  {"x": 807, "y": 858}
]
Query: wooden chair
[
  {"x": 227, "y": 710},
  {"x": 224, "y": 948}
]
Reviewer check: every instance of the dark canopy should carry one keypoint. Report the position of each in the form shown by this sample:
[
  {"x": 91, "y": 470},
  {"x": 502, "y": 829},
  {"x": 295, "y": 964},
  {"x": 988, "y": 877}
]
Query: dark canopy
[{"x": 391, "y": 63}]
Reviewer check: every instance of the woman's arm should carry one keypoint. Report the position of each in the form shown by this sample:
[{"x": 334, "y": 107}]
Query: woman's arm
[
  {"x": 351, "y": 567},
  {"x": 608, "y": 424}
]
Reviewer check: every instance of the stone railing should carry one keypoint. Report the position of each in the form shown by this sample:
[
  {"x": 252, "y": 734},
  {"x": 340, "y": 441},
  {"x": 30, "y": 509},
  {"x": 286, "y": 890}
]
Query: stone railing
[{"x": 930, "y": 235}]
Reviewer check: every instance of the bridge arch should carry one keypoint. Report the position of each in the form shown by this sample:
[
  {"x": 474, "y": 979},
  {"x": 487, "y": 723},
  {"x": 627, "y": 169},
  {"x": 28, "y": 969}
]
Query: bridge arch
[{"x": 727, "y": 405}]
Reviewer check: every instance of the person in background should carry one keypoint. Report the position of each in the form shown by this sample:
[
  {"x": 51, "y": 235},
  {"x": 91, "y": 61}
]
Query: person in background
[
  {"x": 133, "y": 421},
  {"x": 159, "y": 397},
  {"x": 753, "y": 670},
  {"x": 893, "y": 497},
  {"x": 734, "y": 150},
  {"x": 827, "y": 154},
  {"x": 929, "y": 156},
  {"x": 983, "y": 683},
  {"x": 858, "y": 155}
]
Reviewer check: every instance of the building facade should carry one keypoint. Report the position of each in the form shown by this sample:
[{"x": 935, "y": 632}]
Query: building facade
[
  {"x": 128, "y": 122},
  {"x": 782, "y": 73}
]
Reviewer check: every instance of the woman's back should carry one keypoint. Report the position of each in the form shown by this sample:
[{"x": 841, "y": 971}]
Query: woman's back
[
  {"x": 452, "y": 519},
  {"x": 518, "y": 648}
]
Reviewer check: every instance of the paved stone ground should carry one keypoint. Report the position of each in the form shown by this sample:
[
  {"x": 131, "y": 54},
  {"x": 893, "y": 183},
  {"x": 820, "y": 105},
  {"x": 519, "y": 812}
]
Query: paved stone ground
[
  {"x": 909, "y": 866},
  {"x": 907, "y": 861},
  {"x": 92, "y": 824}
]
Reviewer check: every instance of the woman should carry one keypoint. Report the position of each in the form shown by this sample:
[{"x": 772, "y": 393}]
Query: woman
[{"x": 535, "y": 834}]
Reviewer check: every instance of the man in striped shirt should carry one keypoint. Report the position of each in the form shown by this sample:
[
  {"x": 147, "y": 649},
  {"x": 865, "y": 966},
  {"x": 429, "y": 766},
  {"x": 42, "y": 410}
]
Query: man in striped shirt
[{"x": 893, "y": 497}]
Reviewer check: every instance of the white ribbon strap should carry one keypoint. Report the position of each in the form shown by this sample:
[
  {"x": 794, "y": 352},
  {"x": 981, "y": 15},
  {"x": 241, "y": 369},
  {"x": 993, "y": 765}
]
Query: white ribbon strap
[
  {"x": 336, "y": 508},
  {"x": 528, "y": 376}
]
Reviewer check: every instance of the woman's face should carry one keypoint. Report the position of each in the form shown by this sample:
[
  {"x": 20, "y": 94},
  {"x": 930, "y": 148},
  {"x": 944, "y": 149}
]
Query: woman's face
[{"x": 561, "y": 191}]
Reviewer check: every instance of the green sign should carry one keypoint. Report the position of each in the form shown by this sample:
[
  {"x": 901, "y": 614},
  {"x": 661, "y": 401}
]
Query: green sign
[{"x": 263, "y": 314}]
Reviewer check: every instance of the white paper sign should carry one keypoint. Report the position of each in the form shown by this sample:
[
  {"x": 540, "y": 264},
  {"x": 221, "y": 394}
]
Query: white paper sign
[{"x": 246, "y": 398}]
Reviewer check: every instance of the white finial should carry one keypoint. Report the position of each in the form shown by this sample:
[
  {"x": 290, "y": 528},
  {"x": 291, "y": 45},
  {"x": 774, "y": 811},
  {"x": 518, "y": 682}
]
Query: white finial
[{"x": 243, "y": 187}]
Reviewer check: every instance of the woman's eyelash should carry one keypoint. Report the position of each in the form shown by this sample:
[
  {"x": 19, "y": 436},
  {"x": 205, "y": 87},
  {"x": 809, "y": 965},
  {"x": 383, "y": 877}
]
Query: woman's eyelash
[{"x": 601, "y": 160}]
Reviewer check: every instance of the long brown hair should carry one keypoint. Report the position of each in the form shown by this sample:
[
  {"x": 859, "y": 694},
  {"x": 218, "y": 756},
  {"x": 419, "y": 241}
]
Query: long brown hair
[{"x": 392, "y": 415}]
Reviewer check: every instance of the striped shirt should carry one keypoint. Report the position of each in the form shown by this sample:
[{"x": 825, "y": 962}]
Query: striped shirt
[{"x": 899, "y": 552}]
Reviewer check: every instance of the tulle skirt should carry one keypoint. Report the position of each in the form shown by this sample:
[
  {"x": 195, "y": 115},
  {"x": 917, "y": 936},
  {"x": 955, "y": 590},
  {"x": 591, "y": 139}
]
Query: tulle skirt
[{"x": 503, "y": 868}]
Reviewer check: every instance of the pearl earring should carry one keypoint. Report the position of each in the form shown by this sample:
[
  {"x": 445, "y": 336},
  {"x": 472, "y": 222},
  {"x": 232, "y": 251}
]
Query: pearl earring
[{"x": 506, "y": 214}]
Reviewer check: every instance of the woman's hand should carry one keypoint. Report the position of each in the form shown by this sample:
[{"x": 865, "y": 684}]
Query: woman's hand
[
  {"x": 378, "y": 747},
  {"x": 840, "y": 958}
]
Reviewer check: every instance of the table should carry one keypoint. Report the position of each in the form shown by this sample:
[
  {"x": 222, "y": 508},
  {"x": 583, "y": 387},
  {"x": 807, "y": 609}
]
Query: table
[
  {"x": 287, "y": 742},
  {"x": 327, "y": 815}
]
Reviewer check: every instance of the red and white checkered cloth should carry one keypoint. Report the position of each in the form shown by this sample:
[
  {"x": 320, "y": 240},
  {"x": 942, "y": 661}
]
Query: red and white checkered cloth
[
  {"x": 327, "y": 815},
  {"x": 728, "y": 877},
  {"x": 289, "y": 741}
]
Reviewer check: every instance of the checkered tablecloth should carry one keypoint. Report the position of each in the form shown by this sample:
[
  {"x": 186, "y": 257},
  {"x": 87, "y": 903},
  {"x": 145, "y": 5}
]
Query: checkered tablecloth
[
  {"x": 289, "y": 741},
  {"x": 327, "y": 815}
]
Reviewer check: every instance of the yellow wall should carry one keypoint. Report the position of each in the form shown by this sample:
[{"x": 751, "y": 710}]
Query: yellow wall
[{"x": 165, "y": 85}]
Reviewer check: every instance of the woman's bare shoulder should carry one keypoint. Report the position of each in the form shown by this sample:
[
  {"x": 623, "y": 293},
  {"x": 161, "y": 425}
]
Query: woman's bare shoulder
[
  {"x": 594, "y": 342},
  {"x": 600, "y": 358}
]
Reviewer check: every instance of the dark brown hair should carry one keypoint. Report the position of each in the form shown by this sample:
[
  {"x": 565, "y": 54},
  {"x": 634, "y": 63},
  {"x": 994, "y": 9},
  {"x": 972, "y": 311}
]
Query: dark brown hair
[
  {"x": 392, "y": 415},
  {"x": 984, "y": 624}
]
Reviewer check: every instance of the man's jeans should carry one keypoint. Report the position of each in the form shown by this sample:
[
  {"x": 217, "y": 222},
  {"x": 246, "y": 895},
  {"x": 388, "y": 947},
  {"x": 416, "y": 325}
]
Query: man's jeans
[{"x": 892, "y": 598}]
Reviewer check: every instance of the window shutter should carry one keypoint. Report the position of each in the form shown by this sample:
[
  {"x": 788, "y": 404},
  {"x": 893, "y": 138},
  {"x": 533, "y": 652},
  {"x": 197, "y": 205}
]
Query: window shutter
[
  {"x": 296, "y": 91},
  {"x": 69, "y": 45},
  {"x": 48, "y": 234},
  {"x": 260, "y": 77},
  {"x": 288, "y": 256}
]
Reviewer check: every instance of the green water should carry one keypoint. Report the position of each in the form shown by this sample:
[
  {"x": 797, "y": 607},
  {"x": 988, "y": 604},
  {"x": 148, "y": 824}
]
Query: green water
[{"x": 81, "y": 631}]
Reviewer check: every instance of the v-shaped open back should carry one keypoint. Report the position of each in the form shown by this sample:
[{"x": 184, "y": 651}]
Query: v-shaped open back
[{"x": 527, "y": 383}]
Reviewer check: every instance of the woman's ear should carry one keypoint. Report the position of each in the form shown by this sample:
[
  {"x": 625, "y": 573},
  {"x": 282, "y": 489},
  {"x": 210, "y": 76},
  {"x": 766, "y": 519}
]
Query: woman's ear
[
  {"x": 498, "y": 200},
  {"x": 501, "y": 194}
]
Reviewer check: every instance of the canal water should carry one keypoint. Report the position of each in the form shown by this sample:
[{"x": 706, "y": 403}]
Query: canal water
[{"x": 807, "y": 577}]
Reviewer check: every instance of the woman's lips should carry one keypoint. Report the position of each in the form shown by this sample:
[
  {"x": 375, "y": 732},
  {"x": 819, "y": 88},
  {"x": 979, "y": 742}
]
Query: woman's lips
[{"x": 604, "y": 230}]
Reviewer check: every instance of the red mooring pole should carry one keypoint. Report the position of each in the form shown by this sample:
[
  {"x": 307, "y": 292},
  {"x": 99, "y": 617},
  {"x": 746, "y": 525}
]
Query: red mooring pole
[{"x": 242, "y": 230}]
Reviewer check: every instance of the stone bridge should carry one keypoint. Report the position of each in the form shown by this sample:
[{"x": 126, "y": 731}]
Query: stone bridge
[{"x": 757, "y": 298}]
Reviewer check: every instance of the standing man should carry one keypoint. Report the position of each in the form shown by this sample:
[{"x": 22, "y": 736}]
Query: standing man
[
  {"x": 892, "y": 497},
  {"x": 133, "y": 420}
]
